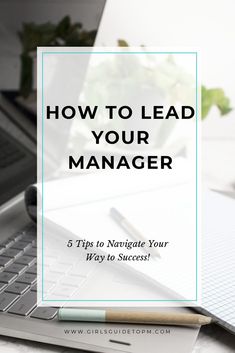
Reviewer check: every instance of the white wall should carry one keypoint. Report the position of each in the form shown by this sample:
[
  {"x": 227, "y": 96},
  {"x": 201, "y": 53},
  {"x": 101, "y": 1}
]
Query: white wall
[{"x": 206, "y": 24}]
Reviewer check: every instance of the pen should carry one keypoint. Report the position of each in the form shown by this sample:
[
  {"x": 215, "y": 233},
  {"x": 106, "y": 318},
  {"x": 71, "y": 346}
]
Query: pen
[
  {"x": 132, "y": 317},
  {"x": 130, "y": 229}
]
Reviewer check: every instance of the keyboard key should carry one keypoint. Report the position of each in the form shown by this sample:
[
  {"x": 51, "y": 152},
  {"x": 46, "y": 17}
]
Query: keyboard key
[
  {"x": 17, "y": 268},
  {"x": 31, "y": 252},
  {"x": 21, "y": 245},
  {"x": 49, "y": 260},
  {"x": 63, "y": 291},
  {"x": 25, "y": 304},
  {"x": 33, "y": 243},
  {"x": 32, "y": 269},
  {"x": 7, "y": 243},
  {"x": 53, "y": 276},
  {"x": 25, "y": 260},
  {"x": 14, "y": 253},
  {"x": 17, "y": 236},
  {"x": 5, "y": 261},
  {"x": 29, "y": 238},
  {"x": 81, "y": 268},
  {"x": 60, "y": 268},
  {"x": 17, "y": 288},
  {"x": 2, "y": 249},
  {"x": 6, "y": 299},
  {"x": 7, "y": 277},
  {"x": 48, "y": 286},
  {"x": 2, "y": 286},
  {"x": 44, "y": 313},
  {"x": 34, "y": 288},
  {"x": 27, "y": 278},
  {"x": 75, "y": 281}
]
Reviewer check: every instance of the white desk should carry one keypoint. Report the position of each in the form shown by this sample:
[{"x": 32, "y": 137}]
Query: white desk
[{"x": 212, "y": 339}]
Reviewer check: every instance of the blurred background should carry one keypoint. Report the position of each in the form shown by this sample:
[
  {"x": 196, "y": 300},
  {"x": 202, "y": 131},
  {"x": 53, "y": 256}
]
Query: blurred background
[{"x": 205, "y": 25}]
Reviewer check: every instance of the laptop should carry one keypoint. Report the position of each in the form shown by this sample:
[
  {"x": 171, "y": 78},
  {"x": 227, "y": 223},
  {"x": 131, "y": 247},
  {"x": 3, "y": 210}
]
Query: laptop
[{"x": 20, "y": 316}]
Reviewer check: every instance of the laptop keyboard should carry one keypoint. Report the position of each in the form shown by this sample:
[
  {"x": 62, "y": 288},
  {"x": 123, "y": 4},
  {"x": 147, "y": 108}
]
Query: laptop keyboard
[
  {"x": 9, "y": 152},
  {"x": 18, "y": 276}
]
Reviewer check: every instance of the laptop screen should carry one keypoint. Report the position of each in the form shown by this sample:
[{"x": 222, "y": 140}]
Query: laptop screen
[{"x": 24, "y": 25}]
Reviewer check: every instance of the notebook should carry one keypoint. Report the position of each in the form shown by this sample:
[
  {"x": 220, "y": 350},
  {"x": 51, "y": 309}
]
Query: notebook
[
  {"x": 218, "y": 263},
  {"x": 218, "y": 258}
]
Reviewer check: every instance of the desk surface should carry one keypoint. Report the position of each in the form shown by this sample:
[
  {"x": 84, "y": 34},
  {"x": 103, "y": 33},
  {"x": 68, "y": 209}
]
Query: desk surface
[{"x": 212, "y": 339}]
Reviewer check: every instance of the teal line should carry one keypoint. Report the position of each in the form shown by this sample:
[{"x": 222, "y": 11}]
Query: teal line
[
  {"x": 120, "y": 300},
  {"x": 196, "y": 179},
  {"x": 103, "y": 300},
  {"x": 42, "y": 180},
  {"x": 117, "y": 52}
]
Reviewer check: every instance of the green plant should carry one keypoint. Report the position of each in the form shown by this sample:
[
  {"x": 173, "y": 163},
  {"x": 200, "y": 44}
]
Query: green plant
[
  {"x": 214, "y": 97},
  {"x": 33, "y": 35},
  {"x": 209, "y": 97}
]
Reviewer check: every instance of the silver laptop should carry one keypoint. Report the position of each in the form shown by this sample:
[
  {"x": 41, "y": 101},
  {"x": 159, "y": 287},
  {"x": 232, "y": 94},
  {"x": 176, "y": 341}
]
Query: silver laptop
[{"x": 19, "y": 314}]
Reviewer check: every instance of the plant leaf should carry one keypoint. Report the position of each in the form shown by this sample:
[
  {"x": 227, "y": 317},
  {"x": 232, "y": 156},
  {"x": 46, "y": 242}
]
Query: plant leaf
[
  {"x": 122, "y": 43},
  {"x": 214, "y": 97}
]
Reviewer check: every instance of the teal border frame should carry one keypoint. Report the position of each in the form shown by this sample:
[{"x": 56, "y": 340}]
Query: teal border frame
[{"x": 195, "y": 53}]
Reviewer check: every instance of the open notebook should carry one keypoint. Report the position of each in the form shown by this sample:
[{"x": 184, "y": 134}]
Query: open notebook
[
  {"x": 218, "y": 258},
  {"x": 148, "y": 207},
  {"x": 218, "y": 264}
]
